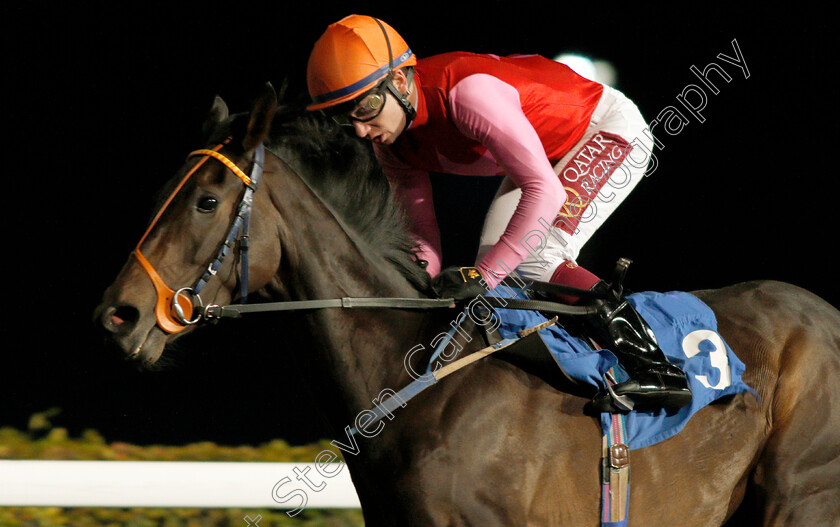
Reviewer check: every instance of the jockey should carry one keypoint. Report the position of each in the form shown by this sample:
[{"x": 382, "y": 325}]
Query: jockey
[{"x": 562, "y": 141}]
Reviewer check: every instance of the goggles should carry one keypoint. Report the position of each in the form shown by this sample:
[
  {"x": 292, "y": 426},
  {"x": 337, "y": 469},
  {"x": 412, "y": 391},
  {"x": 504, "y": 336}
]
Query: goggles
[{"x": 363, "y": 109}]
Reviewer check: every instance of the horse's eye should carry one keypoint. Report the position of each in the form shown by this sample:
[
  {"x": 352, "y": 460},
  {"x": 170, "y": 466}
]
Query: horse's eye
[{"x": 207, "y": 204}]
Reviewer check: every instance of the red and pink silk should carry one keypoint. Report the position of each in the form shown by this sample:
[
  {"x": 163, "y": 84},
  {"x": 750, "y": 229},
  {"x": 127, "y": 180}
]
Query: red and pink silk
[{"x": 485, "y": 115}]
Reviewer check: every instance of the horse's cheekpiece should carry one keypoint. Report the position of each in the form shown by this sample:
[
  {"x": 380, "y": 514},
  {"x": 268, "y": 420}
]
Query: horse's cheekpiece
[{"x": 176, "y": 310}]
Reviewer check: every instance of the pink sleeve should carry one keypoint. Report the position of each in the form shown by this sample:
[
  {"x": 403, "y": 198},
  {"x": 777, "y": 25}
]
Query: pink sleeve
[
  {"x": 489, "y": 110},
  {"x": 414, "y": 190}
]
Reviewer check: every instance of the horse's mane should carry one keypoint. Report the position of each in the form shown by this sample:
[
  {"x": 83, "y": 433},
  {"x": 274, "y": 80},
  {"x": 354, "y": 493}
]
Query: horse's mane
[{"x": 343, "y": 171}]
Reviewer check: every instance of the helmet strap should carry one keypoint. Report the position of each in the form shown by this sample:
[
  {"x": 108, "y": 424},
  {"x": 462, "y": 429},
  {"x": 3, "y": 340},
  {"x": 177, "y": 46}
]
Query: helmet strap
[
  {"x": 408, "y": 108},
  {"x": 402, "y": 98}
]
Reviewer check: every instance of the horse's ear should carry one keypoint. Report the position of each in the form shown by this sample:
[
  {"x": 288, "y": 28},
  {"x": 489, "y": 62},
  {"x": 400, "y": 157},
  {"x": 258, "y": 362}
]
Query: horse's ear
[
  {"x": 218, "y": 113},
  {"x": 259, "y": 123}
]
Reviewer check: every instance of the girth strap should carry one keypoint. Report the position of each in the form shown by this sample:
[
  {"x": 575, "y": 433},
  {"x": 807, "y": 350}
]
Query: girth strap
[{"x": 615, "y": 469}]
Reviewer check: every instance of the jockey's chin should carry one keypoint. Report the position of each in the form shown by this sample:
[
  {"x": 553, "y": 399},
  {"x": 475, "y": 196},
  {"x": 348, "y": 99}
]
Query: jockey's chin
[{"x": 384, "y": 138}]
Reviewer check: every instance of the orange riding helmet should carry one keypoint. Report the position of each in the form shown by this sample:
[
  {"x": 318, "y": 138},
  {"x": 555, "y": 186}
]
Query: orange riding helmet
[{"x": 354, "y": 56}]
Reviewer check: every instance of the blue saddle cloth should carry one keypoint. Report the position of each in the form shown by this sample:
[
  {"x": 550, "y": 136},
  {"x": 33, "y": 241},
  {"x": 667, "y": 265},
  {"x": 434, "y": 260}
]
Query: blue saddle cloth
[{"x": 686, "y": 329}]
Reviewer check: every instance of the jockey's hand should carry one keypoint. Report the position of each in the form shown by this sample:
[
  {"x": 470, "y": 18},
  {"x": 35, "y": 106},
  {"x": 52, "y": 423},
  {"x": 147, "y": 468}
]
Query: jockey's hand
[{"x": 460, "y": 283}]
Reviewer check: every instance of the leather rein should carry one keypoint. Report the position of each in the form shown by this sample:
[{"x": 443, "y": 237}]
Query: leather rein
[{"x": 175, "y": 310}]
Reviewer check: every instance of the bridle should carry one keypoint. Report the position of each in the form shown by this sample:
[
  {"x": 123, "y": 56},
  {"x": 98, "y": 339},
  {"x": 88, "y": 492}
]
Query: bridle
[{"x": 175, "y": 310}]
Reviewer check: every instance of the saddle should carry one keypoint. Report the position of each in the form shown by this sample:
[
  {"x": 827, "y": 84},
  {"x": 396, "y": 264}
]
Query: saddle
[
  {"x": 531, "y": 353},
  {"x": 563, "y": 353}
]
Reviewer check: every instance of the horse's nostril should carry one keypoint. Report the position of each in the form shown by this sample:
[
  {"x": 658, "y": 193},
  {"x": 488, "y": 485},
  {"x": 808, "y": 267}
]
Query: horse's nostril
[
  {"x": 128, "y": 314},
  {"x": 116, "y": 319}
]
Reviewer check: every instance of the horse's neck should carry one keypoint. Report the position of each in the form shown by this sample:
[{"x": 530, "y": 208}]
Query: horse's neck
[{"x": 356, "y": 353}]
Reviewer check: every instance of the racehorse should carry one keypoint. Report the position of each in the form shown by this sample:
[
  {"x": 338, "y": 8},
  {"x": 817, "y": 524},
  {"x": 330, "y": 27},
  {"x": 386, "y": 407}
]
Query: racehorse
[{"x": 493, "y": 444}]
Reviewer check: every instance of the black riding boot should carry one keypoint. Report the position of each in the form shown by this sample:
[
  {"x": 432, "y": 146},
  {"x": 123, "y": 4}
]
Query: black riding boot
[{"x": 654, "y": 382}]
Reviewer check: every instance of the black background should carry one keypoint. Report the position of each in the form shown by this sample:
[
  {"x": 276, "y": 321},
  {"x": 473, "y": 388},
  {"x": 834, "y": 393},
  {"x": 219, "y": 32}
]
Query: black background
[{"x": 102, "y": 102}]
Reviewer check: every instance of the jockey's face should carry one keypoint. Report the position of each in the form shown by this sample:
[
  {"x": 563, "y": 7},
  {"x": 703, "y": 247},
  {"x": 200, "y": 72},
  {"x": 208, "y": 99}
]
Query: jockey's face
[{"x": 389, "y": 124}]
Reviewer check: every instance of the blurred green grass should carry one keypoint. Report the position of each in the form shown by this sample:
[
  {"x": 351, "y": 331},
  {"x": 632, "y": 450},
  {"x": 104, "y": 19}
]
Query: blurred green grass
[{"x": 159, "y": 517}]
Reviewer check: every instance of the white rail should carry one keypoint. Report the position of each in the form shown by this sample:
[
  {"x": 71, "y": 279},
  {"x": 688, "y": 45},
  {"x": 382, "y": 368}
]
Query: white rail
[{"x": 174, "y": 484}]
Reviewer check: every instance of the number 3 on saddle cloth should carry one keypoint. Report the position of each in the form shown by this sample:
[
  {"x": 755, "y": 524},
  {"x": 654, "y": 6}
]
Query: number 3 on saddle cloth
[{"x": 686, "y": 329}]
